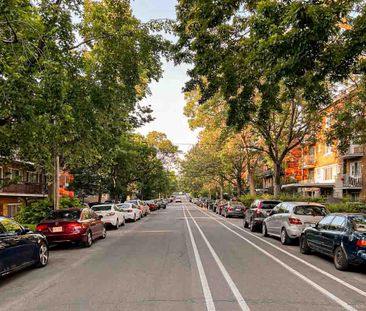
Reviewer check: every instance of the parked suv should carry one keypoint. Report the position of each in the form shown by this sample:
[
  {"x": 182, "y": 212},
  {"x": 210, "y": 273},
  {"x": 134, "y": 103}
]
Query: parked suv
[
  {"x": 341, "y": 236},
  {"x": 233, "y": 208},
  {"x": 257, "y": 212},
  {"x": 288, "y": 219}
]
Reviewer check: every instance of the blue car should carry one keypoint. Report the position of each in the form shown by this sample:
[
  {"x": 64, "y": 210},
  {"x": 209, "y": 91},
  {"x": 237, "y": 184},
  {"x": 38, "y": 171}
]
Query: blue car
[
  {"x": 20, "y": 248},
  {"x": 341, "y": 236}
]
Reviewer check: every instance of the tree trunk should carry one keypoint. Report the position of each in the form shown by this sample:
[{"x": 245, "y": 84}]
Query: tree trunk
[
  {"x": 277, "y": 179},
  {"x": 239, "y": 185},
  {"x": 221, "y": 188},
  {"x": 251, "y": 181},
  {"x": 56, "y": 183}
]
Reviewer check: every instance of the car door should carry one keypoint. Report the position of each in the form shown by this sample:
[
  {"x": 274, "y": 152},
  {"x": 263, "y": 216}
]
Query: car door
[
  {"x": 271, "y": 220},
  {"x": 332, "y": 234},
  {"x": 315, "y": 235},
  {"x": 95, "y": 223},
  {"x": 19, "y": 248},
  {"x": 250, "y": 212}
]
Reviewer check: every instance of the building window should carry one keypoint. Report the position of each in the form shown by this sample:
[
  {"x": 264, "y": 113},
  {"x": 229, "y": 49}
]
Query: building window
[
  {"x": 356, "y": 169},
  {"x": 12, "y": 209},
  {"x": 328, "y": 173},
  {"x": 327, "y": 149}
]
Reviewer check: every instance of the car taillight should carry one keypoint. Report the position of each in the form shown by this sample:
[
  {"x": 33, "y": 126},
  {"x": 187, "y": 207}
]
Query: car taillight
[
  {"x": 294, "y": 221},
  {"x": 73, "y": 226},
  {"x": 361, "y": 243},
  {"x": 230, "y": 209},
  {"x": 110, "y": 214},
  {"x": 41, "y": 227}
]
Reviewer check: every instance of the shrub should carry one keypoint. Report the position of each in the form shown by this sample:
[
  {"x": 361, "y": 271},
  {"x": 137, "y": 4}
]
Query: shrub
[
  {"x": 348, "y": 207},
  {"x": 38, "y": 210},
  {"x": 248, "y": 199},
  {"x": 35, "y": 212}
]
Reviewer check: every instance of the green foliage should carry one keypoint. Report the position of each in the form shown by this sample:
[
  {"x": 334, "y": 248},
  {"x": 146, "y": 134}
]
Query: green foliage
[
  {"x": 35, "y": 212},
  {"x": 248, "y": 199},
  {"x": 349, "y": 207},
  {"x": 38, "y": 210}
]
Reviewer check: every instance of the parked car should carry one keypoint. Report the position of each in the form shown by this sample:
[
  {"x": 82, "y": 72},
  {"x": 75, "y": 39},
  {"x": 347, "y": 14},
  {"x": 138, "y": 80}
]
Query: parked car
[
  {"x": 288, "y": 219},
  {"x": 152, "y": 205},
  {"x": 233, "y": 209},
  {"x": 257, "y": 212},
  {"x": 219, "y": 205},
  {"x": 73, "y": 225},
  {"x": 141, "y": 206},
  {"x": 131, "y": 211},
  {"x": 20, "y": 248},
  {"x": 341, "y": 236},
  {"x": 112, "y": 215},
  {"x": 162, "y": 203}
]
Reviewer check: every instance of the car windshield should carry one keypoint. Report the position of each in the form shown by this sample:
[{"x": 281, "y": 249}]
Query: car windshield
[
  {"x": 311, "y": 210},
  {"x": 359, "y": 223},
  {"x": 99, "y": 208},
  {"x": 124, "y": 205},
  {"x": 60, "y": 214},
  {"x": 269, "y": 204}
]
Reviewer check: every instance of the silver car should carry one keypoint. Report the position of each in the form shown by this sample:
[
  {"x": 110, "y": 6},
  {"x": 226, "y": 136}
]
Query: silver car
[{"x": 288, "y": 219}]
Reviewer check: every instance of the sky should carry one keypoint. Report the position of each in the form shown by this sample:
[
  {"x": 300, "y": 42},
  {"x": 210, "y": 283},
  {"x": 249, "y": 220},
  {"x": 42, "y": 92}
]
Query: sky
[{"x": 167, "y": 99}]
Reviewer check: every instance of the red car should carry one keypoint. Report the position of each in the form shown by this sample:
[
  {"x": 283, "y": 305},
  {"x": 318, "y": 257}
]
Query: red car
[
  {"x": 152, "y": 205},
  {"x": 72, "y": 225}
]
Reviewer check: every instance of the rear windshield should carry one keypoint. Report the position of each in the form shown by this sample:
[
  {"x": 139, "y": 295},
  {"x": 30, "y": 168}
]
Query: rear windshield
[
  {"x": 60, "y": 214},
  {"x": 359, "y": 223},
  {"x": 310, "y": 210},
  {"x": 99, "y": 208},
  {"x": 269, "y": 204},
  {"x": 236, "y": 204},
  {"x": 124, "y": 205}
]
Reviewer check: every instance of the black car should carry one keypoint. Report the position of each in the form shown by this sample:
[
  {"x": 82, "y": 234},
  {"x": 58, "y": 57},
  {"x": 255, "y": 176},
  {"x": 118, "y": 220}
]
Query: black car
[
  {"x": 20, "y": 248},
  {"x": 233, "y": 209},
  {"x": 257, "y": 212},
  {"x": 341, "y": 236}
]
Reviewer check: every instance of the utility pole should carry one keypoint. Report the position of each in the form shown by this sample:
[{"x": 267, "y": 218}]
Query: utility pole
[{"x": 56, "y": 183}]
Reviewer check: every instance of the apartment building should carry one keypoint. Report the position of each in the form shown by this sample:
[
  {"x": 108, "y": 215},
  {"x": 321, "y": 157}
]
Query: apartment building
[
  {"x": 327, "y": 172},
  {"x": 20, "y": 182}
]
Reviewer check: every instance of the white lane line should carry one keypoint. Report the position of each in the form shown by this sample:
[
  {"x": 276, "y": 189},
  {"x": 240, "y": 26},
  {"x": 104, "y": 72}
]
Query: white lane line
[
  {"x": 243, "y": 305},
  {"x": 331, "y": 276},
  {"x": 205, "y": 287},
  {"x": 325, "y": 292}
]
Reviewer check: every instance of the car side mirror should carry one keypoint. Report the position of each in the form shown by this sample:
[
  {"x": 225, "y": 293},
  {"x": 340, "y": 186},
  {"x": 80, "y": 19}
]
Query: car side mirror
[{"x": 100, "y": 217}]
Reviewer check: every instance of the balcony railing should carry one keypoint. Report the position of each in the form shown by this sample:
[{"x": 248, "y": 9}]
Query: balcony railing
[
  {"x": 351, "y": 181},
  {"x": 27, "y": 188},
  {"x": 309, "y": 160},
  {"x": 354, "y": 151}
]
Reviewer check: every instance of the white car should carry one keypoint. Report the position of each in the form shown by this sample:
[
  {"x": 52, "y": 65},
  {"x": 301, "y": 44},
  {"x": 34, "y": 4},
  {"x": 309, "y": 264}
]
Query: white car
[
  {"x": 131, "y": 211},
  {"x": 112, "y": 215}
]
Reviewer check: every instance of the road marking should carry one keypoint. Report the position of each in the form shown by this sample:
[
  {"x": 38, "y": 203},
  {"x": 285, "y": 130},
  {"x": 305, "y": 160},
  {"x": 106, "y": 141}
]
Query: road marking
[
  {"x": 243, "y": 305},
  {"x": 331, "y": 276},
  {"x": 205, "y": 287},
  {"x": 325, "y": 292}
]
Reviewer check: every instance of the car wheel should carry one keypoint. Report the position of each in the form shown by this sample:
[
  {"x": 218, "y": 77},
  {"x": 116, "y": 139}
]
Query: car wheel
[
  {"x": 43, "y": 255},
  {"x": 225, "y": 214},
  {"x": 117, "y": 224},
  {"x": 264, "y": 230},
  {"x": 304, "y": 246},
  {"x": 252, "y": 226},
  {"x": 285, "y": 239},
  {"x": 340, "y": 259},
  {"x": 124, "y": 222},
  {"x": 104, "y": 233},
  {"x": 245, "y": 223},
  {"x": 89, "y": 240}
]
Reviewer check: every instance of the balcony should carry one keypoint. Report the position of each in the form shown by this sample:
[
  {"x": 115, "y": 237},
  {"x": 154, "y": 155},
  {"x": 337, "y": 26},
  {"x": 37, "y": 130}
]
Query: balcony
[
  {"x": 309, "y": 161},
  {"x": 25, "y": 188},
  {"x": 354, "y": 151},
  {"x": 351, "y": 181}
]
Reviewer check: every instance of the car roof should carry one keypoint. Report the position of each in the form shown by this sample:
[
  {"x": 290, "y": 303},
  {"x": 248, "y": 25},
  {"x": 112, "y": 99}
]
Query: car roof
[{"x": 303, "y": 203}]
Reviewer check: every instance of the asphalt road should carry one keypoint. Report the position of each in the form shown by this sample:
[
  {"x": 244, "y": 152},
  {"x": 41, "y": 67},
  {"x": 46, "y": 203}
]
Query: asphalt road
[{"x": 184, "y": 258}]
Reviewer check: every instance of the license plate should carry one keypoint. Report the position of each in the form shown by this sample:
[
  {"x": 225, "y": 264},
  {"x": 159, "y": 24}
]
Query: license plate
[
  {"x": 57, "y": 229},
  {"x": 238, "y": 209}
]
